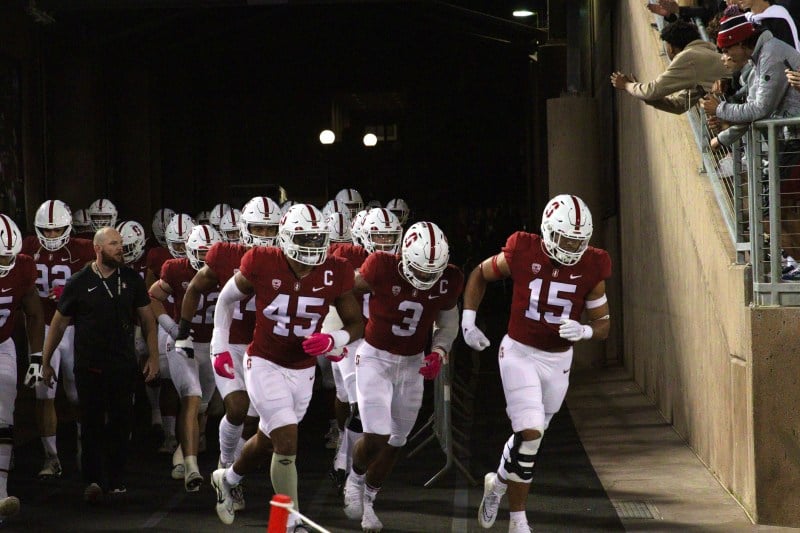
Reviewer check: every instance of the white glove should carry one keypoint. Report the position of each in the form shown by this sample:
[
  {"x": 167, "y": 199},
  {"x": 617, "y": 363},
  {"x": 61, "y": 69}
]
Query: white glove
[
  {"x": 574, "y": 331},
  {"x": 473, "y": 336},
  {"x": 34, "y": 375}
]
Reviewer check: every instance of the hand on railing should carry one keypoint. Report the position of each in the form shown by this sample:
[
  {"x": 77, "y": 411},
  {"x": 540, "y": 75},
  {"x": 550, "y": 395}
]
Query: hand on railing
[
  {"x": 664, "y": 8},
  {"x": 619, "y": 80},
  {"x": 709, "y": 104}
]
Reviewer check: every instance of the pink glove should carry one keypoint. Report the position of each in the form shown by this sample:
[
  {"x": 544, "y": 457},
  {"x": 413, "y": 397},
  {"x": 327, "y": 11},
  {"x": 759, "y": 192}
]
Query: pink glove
[
  {"x": 58, "y": 290},
  {"x": 318, "y": 344},
  {"x": 336, "y": 358},
  {"x": 432, "y": 366},
  {"x": 223, "y": 365}
]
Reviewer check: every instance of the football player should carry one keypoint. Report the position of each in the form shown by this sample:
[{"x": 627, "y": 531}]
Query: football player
[
  {"x": 400, "y": 208},
  {"x": 18, "y": 287},
  {"x": 409, "y": 292},
  {"x": 174, "y": 237},
  {"x": 189, "y": 363},
  {"x": 293, "y": 286},
  {"x": 352, "y": 199},
  {"x": 258, "y": 226},
  {"x": 82, "y": 224},
  {"x": 57, "y": 256},
  {"x": 381, "y": 232},
  {"x": 555, "y": 277}
]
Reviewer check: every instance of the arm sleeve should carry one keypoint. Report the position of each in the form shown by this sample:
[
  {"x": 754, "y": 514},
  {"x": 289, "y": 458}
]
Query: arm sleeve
[
  {"x": 729, "y": 136},
  {"x": 446, "y": 328},
  {"x": 229, "y": 296}
]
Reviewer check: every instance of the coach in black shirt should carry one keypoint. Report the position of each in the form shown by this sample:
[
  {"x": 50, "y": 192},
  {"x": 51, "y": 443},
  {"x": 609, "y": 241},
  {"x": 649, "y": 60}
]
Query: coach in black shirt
[{"x": 104, "y": 301}]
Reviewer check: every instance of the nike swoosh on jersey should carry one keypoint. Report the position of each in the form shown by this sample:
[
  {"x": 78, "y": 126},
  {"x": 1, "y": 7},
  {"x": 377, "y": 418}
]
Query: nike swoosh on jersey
[
  {"x": 317, "y": 289},
  {"x": 93, "y": 288},
  {"x": 574, "y": 276},
  {"x": 433, "y": 297},
  {"x": 6, "y": 290}
]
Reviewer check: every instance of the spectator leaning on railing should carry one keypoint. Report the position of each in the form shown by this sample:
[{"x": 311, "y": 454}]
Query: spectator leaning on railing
[{"x": 694, "y": 64}]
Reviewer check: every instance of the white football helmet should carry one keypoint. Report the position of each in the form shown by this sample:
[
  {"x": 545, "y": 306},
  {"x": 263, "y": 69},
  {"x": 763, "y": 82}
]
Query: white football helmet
[
  {"x": 160, "y": 221},
  {"x": 53, "y": 215},
  {"x": 351, "y": 198},
  {"x": 229, "y": 225},
  {"x": 81, "y": 222},
  {"x": 133, "y": 238},
  {"x": 339, "y": 226},
  {"x": 372, "y": 204},
  {"x": 201, "y": 238},
  {"x": 103, "y": 214},
  {"x": 286, "y": 205},
  {"x": 381, "y": 231},
  {"x": 303, "y": 235},
  {"x": 424, "y": 255},
  {"x": 216, "y": 214},
  {"x": 335, "y": 206},
  {"x": 203, "y": 217},
  {"x": 263, "y": 215},
  {"x": 399, "y": 207},
  {"x": 566, "y": 228},
  {"x": 177, "y": 233},
  {"x": 355, "y": 227},
  {"x": 10, "y": 244}
]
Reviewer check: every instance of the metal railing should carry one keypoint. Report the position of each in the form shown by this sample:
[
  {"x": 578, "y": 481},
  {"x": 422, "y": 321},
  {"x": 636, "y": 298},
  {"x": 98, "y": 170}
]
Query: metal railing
[{"x": 773, "y": 157}]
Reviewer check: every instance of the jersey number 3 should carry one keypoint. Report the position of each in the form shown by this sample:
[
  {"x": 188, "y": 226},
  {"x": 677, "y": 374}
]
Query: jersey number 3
[{"x": 552, "y": 301}]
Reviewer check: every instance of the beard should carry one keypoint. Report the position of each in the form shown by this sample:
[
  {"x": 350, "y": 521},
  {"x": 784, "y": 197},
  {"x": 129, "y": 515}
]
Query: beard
[{"x": 110, "y": 261}]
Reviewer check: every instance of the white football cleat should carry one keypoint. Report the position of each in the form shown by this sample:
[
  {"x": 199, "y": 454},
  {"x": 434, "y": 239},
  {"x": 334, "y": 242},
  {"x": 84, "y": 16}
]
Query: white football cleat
[
  {"x": 192, "y": 481},
  {"x": 369, "y": 521},
  {"x": 487, "y": 510},
  {"x": 353, "y": 499},
  {"x": 51, "y": 468},
  {"x": 225, "y": 510}
]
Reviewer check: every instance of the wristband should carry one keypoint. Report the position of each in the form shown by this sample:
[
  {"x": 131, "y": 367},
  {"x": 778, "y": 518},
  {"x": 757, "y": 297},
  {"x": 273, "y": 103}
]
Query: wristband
[
  {"x": 340, "y": 337},
  {"x": 184, "y": 328},
  {"x": 468, "y": 318}
]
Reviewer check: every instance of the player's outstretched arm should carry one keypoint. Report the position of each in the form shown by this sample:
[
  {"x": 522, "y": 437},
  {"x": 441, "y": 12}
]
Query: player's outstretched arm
[
  {"x": 494, "y": 268},
  {"x": 159, "y": 292}
]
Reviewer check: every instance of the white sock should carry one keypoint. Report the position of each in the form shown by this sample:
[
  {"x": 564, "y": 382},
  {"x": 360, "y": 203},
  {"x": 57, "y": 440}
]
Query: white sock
[
  {"x": 232, "y": 477},
  {"x": 370, "y": 493},
  {"x": 5, "y": 462},
  {"x": 190, "y": 464},
  {"x": 49, "y": 444},
  {"x": 518, "y": 517},
  {"x": 358, "y": 479},
  {"x": 229, "y": 437},
  {"x": 168, "y": 422}
]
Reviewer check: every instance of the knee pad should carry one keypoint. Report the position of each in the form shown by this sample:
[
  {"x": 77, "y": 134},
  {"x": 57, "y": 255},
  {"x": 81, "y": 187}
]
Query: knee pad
[
  {"x": 397, "y": 441},
  {"x": 519, "y": 456},
  {"x": 7, "y": 435}
]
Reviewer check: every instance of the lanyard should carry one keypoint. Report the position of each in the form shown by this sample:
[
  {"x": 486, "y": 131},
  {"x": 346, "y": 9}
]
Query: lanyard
[{"x": 119, "y": 282}]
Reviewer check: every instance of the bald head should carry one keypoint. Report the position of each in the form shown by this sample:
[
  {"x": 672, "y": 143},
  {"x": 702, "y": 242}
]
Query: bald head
[
  {"x": 103, "y": 235},
  {"x": 108, "y": 247}
]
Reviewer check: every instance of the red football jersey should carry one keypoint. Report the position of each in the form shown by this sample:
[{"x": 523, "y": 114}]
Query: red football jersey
[
  {"x": 155, "y": 259},
  {"x": 139, "y": 266},
  {"x": 289, "y": 309},
  {"x": 178, "y": 273},
  {"x": 546, "y": 292},
  {"x": 55, "y": 268},
  {"x": 356, "y": 255},
  {"x": 13, "y": 287},
  {"x": 401, "y": 316},
  {"x": 224, "y": 258}
]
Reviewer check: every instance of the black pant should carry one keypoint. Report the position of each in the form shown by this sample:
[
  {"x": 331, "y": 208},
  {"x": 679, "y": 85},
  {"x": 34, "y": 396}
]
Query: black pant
[{"x": 106, "y": 402}]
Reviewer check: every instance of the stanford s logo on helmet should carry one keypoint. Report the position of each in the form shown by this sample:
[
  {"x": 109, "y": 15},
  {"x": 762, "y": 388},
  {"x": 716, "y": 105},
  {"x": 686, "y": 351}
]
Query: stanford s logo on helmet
[
  {"x": 424, "y": 255},
  {"x": 566, "y": 228},
  {"x": 53, "y": 215}
]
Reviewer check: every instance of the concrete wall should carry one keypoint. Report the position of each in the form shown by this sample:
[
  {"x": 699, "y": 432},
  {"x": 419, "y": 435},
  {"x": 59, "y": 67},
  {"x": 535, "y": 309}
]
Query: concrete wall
[{"x": 686, "y": 321}]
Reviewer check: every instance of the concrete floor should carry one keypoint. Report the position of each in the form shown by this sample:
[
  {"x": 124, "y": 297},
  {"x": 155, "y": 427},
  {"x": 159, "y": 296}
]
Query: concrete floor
[{"x": 644, "y": 465}]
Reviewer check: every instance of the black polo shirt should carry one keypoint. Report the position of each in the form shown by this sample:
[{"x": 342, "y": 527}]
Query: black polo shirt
[{"x": 104, "y": 312}]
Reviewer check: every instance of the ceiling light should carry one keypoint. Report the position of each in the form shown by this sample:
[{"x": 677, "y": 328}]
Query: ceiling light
[
  {"x": 370, "y": 139},
  {"x": 327, "y": 137},
  {"x": 522, "y": 13}
]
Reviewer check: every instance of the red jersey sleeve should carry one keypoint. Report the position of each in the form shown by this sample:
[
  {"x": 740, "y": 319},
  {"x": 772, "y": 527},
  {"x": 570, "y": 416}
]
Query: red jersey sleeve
[
  {"x": 455, "y": 286},
  {"x": 371, "y": 268},
  {"x": 249, "y": 266},
  {"x": 345, "y": 273},
  {"x": 214, "y": 258},
  {"x": 518, "y": 242}
]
